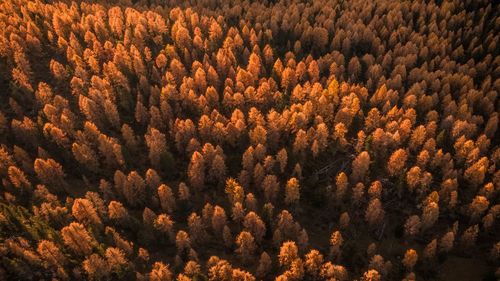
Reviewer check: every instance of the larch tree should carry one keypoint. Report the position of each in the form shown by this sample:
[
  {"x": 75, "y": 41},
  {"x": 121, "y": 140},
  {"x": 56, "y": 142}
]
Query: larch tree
[
  {"x": 196, "y": 229},
  {"x": 50, "y": 173},
  {"x": 282, "y": 158},
  {"x": 371, "y": 275},
  {"x": 254, "y": 224},
  {"x": 288, "y": 253},
  {"x": 96, "y": 267},
  {"x": 246, "y": 246},
  {"x": 313, "y": 262},
  {"x": 19, "y": 180},
  {"x": 85, "y": 212},
  {"x": 478, "y": 206},
  {"x": 51, "y": 254},
  {"x": 410, "y": 259},
  {"x": 182, "y": 241},
  {"x": 341, "y": 183},
  {"x": 167, "y": 199},
  {"x": 134, "y": 189},
  {"x": 156, "y": 142},
  {"x": 164, "y": 225},
  {"x": 412, "y": 225},
  {"x": 336, "y": 242},
  {"x": 397, "y": 162},
  {"x": 430, "y": 215},
  {"x": 265, "y": 265},
  {"x": 116, "y": 211},
  {"x": 76, "y": 237},
  {"x": 375, "y": 213},
  {"x": 292, "y": 191},
  {"x": 271, "y": 187},
  {"x": 219, "y": 220},
  {"x": 160, "y": 272},
  {"x": 360, "y": 166},
  {"x": 85, "y": 156},
  {"x": 196, "y": 171}
]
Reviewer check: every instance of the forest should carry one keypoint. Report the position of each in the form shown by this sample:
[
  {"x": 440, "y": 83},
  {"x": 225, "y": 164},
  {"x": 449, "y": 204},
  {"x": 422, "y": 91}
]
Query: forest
[{"x": 221, "y": 140}]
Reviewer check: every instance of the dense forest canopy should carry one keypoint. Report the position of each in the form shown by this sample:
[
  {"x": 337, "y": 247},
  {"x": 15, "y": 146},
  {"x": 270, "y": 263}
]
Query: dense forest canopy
[{"x": 241, "y": 140}]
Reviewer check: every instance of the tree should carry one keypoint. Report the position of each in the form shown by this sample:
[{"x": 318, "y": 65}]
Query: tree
[
  {"x": 410, "y": 259},
  {"x": 313, "y": 262},
  {"x": 160, "y": 272},
  {"x": 165, "y": 225},
  {"x": 96, "y": 267},
  {"x": 255, "y": 226},
  {"x": 217, "y": 171},
  {"x": 50, "y": 173},
  {"x": 336, "y": 242},
  {"x": 196, "y": 228},
  {"x": 237, "y": 212},
  {"x": 84, "y": 211},
  {"x": 478, "y": 206},
  {"x": 344, "y": 220},
  {"x": 227, "y": 237},
  {"x": 134, "y": 189},
  {"x": 374, "y": 214},
  {"x": 167, "y": 199},
  {"x": 413, "y": 177},
  {"x": 341, "y": 183},
  {"x": 292, "y": 191},
  {"x": 371, "y": 275},
  {"x": 76, "y": 237},
  {"x": 219, "y": 220},
  {"x": 246, "y": 246},
  {"x": 156, "y": 142},
  {"x": 234, "y": 191},
  {"x": 288, "y": 253},
  {"x": 271, "y": 187},
  {"x": 360, "y": 166},
  {"x": 196, "y": 171},
  {"x": 19, "y": 180},
  {"x": 50, "y": 254},
  {"x": 219, "y": 270},
  {"x": 116, "y": 211},
  {"x": 412, "y": 225},
  {"x": 469, "y": 236},
  {"x": 85, "y": 156},
  {"x": 430, "y": 215},
  {"x": 182, "y": 241},
  {"x": 430, "y": 250},
  {"x": 282, "y": 158},
  {"x": 397, "y": 162},
  {"x": 265, "y": 265},
  {"x": 476, "y": 172},
  {"x": 115, "y": 258},
  {"x": 184, "y": 193}
]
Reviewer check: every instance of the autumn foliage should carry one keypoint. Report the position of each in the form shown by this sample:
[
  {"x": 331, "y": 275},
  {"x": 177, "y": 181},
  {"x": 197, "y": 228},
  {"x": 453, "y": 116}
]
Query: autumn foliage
[{"x": 248, "y": 140}]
